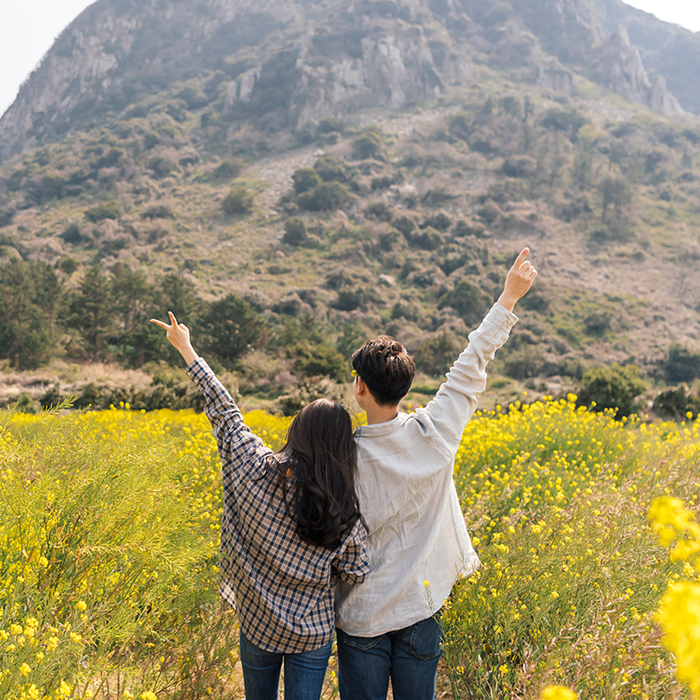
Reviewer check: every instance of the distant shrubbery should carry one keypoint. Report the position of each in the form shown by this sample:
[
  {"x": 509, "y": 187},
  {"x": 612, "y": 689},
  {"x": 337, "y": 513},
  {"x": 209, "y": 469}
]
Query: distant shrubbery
[{"x": 614, "y": 387}]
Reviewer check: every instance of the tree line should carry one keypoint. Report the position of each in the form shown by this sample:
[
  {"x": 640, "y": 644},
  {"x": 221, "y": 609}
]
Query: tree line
[{"x": 107, "y": 317}]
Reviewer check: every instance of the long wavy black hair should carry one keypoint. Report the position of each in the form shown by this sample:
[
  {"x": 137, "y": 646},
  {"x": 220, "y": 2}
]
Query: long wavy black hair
[{"x": 317, "y": 468}]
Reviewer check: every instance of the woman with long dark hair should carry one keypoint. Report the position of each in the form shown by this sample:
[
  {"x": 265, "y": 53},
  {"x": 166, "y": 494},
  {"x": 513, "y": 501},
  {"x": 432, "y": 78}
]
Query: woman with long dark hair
[{"x": 291, "y": 528}]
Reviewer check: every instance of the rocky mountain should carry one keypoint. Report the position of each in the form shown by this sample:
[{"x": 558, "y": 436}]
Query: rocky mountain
[
  {"x": 297, "y": 63},
  {"x": 667, "y": 49}
]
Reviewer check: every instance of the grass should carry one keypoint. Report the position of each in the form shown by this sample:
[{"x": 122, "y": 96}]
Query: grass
[{"x": 109, "y": 529}]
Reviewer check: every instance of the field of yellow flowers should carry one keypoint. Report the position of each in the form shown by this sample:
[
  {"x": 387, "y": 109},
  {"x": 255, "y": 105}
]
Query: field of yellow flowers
[{"x": 109, "y": 537}]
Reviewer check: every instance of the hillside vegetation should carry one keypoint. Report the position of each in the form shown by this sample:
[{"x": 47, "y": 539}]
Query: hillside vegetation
[
  {"x": 407, "y": 231},
  {"x": 285, "y": 242}
]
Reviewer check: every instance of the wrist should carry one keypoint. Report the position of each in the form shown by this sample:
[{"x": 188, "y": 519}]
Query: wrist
[
  {"x": 188, "y": 354},
  {"x": 507, "y": 301}
]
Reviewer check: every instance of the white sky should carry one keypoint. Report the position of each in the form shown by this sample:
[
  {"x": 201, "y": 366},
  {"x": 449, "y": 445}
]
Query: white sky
[{"x": 28, "y": 29}]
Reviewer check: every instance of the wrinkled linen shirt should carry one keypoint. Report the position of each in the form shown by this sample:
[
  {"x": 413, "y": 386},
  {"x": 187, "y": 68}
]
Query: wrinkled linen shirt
[
  {"x": 409, "y": 502},
  {"x": 281, "y": 586}
]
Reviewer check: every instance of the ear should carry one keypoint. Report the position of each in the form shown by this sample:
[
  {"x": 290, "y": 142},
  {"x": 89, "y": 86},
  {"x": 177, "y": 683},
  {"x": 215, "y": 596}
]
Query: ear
[{"x": 360, "y": 386}]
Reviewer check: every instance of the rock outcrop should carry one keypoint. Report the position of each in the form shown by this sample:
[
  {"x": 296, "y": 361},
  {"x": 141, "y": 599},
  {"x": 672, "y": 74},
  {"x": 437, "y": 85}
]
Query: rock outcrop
[
  {"x": 566, "y": 28},
  {"x": 667, "y": 49},
  {"x": 619, "y": 67},
  {"x": 117, "y": 53},
  {"x": 288, "y": 64}
]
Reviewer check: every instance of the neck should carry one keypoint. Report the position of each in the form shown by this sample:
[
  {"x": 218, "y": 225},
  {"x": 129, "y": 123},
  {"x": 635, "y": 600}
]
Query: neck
[{"x": 381, "y": 414}]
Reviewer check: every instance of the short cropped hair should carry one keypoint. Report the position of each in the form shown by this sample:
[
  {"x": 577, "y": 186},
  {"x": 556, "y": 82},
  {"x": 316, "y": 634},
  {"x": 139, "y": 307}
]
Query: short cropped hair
[{"x": 387, "y": 369}]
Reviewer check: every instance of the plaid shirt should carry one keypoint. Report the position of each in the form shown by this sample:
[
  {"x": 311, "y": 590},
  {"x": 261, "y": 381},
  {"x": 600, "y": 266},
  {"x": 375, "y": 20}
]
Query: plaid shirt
[{"x": 281, "y": 586}]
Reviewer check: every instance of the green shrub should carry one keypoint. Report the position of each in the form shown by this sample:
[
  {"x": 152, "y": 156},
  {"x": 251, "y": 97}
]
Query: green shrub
[
  {"x": 405, "y": 224},
  {"x": 151, "y": 139},
  {"x": 368, "y": 144},
  {"x": 229, "y": 169},
  {"x": 427, "y": 239},
  {"x": 568, "y": 120},
  {"x": 597, "y": 322},
  {"x": 379, "y": 210},
  {"x": 330, "y": 125},
  {"x": 110, "y": 159},
  {"x": 325, "y": 197},
  {"x": 239, "y": 200},
  {"x": 682, "y": 364},
  {"x": 107, "y": 210},
  {"x": 614, "y": 387},
  {"x": 229, "y": 327},
  {"x": 158, "y": 211},
  {"x": 305, "y": 179},
  {"x": 439, "y": 221},
  {"x": 437, "y": 353},
  {"x": 468, "y": 300},
  {"x": 330, "y": 168},
  {"x": 71, "y": 234},
  {"x": 676, "y": 402},
  {"x": 321, "y": 360},
  {"x": 294, "y": 231}
]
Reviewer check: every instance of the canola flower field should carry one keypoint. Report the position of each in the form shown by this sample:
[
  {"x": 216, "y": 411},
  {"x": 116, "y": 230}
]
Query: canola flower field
[{"x": 109, "y": 537}]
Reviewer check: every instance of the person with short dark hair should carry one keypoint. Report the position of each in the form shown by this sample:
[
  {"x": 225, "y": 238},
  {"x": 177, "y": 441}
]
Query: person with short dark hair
[
  {"x": 418, "y": 543},
  {"x": 291, "y": 528}
]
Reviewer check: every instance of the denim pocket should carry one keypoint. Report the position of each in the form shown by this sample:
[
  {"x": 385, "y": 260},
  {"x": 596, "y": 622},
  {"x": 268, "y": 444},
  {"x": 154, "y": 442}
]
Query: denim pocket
[
  {"x": 362, "y": 643},
  {"x": 425, "y": 639}
]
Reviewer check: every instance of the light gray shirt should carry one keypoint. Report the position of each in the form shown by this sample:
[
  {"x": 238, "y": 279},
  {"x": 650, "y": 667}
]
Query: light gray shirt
[{"x": 408, "y": 499}]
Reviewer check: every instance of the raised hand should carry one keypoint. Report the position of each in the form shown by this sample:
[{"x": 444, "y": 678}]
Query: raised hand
[
  {"x": 518, "y": 281},
  {"x": 178, "y": 334}
]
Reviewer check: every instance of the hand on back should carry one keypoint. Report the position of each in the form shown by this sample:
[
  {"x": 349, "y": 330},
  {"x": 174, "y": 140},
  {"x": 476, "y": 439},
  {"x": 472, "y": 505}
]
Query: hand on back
[{"x": 518, "y": 281}]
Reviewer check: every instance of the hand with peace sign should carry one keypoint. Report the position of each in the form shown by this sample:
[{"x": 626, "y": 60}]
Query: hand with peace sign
[
  {"x": 179, "y": 336},
  {"x": 518, "y": 281}
]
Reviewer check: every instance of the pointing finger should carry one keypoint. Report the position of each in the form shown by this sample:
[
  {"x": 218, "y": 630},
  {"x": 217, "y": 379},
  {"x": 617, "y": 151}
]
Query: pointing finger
[
  {"x": 162, "y": 325},
  {"x": 173, "y": 320},
  {"x": 519, "y": 260}
]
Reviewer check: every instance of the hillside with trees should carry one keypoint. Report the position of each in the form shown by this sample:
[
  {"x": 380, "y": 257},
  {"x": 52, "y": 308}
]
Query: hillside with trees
[{"x": 289, "y": 192}]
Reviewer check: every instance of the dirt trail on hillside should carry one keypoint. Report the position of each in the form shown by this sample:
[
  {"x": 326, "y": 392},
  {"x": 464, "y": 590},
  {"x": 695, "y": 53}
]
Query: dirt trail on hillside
[{"x": 278, "y": 169}]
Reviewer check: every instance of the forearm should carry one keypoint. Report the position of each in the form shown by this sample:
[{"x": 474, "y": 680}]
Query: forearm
[{"x": 188, "y": 354}]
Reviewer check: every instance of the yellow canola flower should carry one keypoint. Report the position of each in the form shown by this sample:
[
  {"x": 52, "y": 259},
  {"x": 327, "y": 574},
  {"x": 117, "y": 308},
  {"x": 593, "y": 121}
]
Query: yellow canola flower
[
  {"x": 557, "y": 692},
  {"x": 64, "y": 691},
  {"x": 25, "y": 669},
  {"x": 679, "y": 616},
  {"x": 148, "y": 695}
]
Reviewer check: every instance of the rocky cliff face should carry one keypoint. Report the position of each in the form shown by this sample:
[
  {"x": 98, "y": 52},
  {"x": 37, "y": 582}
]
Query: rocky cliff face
[
  {"x": 670, "y": 51},
  {"x": 619, "y": 66},
  {"x": 310, "y": 67},
  {"x": 566, "y": 28},
  {"x": 290, "y": 63}
]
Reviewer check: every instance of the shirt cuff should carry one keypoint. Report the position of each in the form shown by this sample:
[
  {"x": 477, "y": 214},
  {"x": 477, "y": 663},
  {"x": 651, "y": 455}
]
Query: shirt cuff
[
  {"x": 199, "y": 371},
  {"x": 500, "y": 316}
]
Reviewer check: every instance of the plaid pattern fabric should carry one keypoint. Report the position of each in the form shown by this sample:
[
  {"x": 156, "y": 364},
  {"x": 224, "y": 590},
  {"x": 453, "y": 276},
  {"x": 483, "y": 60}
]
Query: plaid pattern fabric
[{"x": 282, "y": 587}]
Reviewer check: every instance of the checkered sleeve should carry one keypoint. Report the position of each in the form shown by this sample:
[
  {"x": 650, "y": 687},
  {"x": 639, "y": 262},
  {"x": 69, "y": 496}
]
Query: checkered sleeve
[
  {"x": 351, "y": 563},
  {"x": 234, "y": 438}
]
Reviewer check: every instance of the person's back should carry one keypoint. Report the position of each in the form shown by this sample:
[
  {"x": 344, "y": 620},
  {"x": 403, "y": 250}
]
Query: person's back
[
  {"x": 418, "y": 542},
  {"x": 290, "y": 528}
]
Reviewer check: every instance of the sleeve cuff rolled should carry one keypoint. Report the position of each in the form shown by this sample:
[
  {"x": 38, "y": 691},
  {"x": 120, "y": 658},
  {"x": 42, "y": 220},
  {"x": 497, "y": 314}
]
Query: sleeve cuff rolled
[
  {"x": 199, "y": 371},
  {"x": 500, "y": 316}
]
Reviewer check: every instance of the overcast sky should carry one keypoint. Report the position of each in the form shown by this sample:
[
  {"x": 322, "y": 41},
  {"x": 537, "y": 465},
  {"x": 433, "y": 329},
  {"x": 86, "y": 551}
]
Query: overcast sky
[{"x": 28, "y": 28}]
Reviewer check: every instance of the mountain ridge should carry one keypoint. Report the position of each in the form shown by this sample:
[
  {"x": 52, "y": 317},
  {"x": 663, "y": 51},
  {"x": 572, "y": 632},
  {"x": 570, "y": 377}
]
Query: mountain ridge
[{"x": 335, "y": 59}]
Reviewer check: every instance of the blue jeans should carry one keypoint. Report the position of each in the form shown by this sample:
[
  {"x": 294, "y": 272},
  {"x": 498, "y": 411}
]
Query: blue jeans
[
  {"x": 303, "y": 673},
  {"x": 408, "y": 656}
]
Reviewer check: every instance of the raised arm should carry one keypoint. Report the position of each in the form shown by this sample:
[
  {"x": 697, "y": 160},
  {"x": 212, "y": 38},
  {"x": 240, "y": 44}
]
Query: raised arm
[
  {"x": 456, "y": 401},
  {"x": 233, "y": 437}
]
